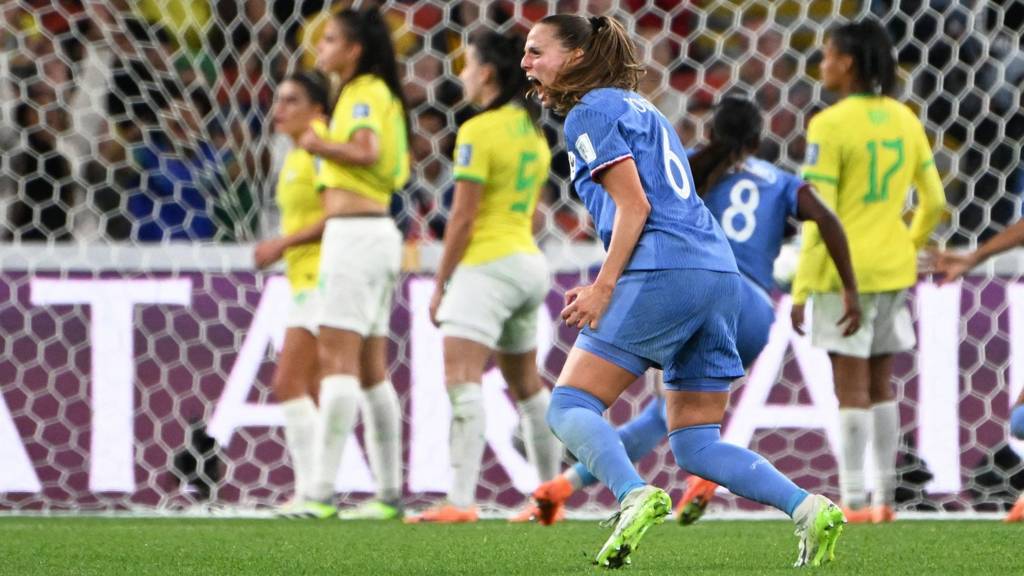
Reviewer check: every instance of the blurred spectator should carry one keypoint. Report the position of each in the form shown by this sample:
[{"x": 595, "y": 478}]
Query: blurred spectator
[
  {"x": 179, "y": 175},
  {"x": 42, "y": 176}
]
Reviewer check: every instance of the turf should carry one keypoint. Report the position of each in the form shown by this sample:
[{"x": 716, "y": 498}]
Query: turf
[{"x": 30, "y": 546}]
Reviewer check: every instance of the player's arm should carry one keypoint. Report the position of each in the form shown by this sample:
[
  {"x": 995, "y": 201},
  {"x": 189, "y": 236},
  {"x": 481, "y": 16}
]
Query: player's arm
[
  {"x": 821, "y": 168},
  {"x": 363, "y": 149},
  {"x": 271, "y": 250},
  {"x": 586, "y": 304},
  {"x": 457, "y": 234},
  {"x": 830, "y": 230},
  {"x": 931, "y": 199},
  {"x": 952, "y": 265}
]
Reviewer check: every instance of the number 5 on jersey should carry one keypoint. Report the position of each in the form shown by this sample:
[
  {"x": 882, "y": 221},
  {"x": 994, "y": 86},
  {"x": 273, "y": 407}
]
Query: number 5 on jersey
[{"x": 526, "y": 180}]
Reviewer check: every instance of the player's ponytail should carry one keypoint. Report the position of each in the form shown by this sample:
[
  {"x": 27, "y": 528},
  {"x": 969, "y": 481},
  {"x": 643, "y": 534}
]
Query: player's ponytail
[
  {"x": 735, "y": 133},
  {"x": 504, "y": 53},
  {"x": 869, "y": 45},
  {"x": 608, "y": 58},
  {"x": 369, "y": 29}
]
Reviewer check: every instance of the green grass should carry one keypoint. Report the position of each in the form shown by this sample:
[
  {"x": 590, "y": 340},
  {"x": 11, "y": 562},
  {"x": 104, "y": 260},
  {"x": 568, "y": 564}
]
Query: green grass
[{"x": 69, "y": 545}]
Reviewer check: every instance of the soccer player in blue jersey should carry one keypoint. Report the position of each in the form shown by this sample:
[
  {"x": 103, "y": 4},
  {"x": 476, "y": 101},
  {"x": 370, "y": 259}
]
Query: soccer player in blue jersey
[
  {"x": 667, "y": 294},
  {"x": 752, "y": 200}
]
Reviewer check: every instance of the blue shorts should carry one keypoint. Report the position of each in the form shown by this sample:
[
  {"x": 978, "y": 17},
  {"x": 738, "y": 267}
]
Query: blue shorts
[
  {"x": 757, "y": 314},
  {"x": 682, "y": 321}
]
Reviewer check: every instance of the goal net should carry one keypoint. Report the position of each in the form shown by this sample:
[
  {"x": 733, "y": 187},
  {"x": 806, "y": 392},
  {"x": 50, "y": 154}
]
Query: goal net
[{"x": 137, "y": 169}]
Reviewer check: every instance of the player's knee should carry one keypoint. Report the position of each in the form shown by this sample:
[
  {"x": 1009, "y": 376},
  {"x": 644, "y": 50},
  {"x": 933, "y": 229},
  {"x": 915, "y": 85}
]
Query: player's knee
[
  {"x": 1017, "y": 422},
  {"x": 688, "y": 444},
  {"x": 565, "y": 399}
]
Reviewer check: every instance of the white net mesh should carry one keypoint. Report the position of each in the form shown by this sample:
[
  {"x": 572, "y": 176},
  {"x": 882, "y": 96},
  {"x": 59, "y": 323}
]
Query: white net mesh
[{"x": 135, "y": 135}]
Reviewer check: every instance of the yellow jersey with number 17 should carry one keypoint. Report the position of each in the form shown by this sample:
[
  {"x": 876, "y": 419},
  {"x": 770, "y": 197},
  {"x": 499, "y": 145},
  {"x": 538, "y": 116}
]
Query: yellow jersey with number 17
[
  {"x": 299, "y": 203},
  {"x": 367, "y": 102},
  {"x": 505, "y": 152},
  {"x": 863, "y": 155}
]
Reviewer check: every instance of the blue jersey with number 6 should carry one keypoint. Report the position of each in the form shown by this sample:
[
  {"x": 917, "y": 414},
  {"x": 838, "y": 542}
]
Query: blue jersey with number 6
[
  {"x": 610, "y": 125},
  {"x": 753, "y": 204}
]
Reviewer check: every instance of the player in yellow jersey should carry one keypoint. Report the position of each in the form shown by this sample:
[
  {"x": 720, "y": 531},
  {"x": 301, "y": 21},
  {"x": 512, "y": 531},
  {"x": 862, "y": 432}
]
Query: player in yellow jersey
[
  {"x": 863, "y": 154},
  {"x": 364, "y": 161},
  {"x": 301, "y": 103},
  {"x": 493, "y": 279}
]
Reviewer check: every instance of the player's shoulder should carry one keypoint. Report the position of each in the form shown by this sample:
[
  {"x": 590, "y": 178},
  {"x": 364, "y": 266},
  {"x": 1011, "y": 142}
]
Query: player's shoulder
[
  {"x": 368, "y": 86},
  {"x": 764, "y": 171},
  {"x": 480, "y": 122},
  {"x": 830, "y": 116},
  {"x": 603, "y": 105}
]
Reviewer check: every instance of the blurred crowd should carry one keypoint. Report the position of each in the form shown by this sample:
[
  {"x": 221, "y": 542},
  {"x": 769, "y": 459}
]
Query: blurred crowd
[{"x": 146, "y": 120}]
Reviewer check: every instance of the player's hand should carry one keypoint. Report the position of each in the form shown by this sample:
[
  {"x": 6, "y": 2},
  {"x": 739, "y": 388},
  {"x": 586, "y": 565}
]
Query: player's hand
[
  {"x": 796, "y": 316},
  {"x": 435, "y": 304},
  {"x": 584, "y": 305},
  {"x": 952, "y": 266},
  {"x": 267, "y": 252},
  {"x": 309, "y": 141},
  {"x": 851, "y": 313}
]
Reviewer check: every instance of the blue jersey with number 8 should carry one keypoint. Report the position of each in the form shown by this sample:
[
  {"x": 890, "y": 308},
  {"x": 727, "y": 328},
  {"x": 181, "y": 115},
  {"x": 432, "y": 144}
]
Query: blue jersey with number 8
[
  {"x": 752, "y": 205},
  {"x": 610, "y": 125}
]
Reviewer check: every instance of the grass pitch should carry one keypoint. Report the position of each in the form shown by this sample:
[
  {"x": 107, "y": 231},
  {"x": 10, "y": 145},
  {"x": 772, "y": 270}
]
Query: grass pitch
[{"x": 103, "y": 546}]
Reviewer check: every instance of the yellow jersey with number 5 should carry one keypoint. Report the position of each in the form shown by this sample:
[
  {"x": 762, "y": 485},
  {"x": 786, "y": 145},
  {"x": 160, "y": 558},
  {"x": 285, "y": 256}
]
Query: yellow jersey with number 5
[
  {"x": 506, "y": 153},
  {"x": 367, "y": 102},
  {"x": 863, "y": 155}
]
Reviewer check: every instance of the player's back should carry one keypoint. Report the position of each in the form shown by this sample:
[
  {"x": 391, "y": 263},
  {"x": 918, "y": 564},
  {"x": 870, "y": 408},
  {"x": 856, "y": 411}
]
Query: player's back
[
  {"x": 610, "y": 125},
  {"x": 752, "y": 204},
  {"x": 504, "y": 151},
  {"x": 869, "y": 149}
]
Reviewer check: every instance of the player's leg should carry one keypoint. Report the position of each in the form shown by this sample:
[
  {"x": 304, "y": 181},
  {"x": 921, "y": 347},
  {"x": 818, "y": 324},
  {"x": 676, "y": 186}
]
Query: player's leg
[
  {"x": 517, "y": 360},
  {"x": 893, "y": 332},
  {"x": 382, "y": 421},
  {"x": 532, "y": 399},
  {"x": 296, "y": 373},
  {"x": 639, "y": 436},
  {"x": 851, "y": 376},
  {"x": 359, "y": 264},
  {"x": 338, "y": 353},
  {"x": 464, "y": 363},
  {"x": 588, "y": 384},
  {"x": 885, "y": 435},
  {"x": 756, "y": 316},
  {"x": 697, "y": 384}
]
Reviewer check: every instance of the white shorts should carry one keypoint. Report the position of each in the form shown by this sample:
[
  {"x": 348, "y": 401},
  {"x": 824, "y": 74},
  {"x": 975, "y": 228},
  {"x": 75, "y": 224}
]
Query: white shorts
[
  {"x": 360, "y": 260},
  {"x": 496, "y": 303},
  {"x": 886, "y": 327},
  {"x": 304, "y": 311}
]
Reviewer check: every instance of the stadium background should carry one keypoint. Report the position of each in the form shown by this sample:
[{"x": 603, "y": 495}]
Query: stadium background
[{"x": 138, "y": 168}]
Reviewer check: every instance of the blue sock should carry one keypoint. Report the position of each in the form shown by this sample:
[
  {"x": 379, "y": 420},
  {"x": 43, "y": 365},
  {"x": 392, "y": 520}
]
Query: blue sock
[
  {"x": 575, "y": 418},
  {"x": 640, "y": 435},
  {"x": 699, "y": 450},
  {"x": 1017, "y": 422}
]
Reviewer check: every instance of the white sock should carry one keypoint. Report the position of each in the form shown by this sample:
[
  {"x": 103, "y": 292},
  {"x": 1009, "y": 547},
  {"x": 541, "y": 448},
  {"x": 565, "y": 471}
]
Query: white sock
[
  {"x": 885, "y": 440},
  {"x": 339, "y": 406},
  {"x": 300, "y": 437},
  {"x": 854, "y": 431},
  {"x": 574, "y": 478},
  {"x": 383, "y": 422},
  {"x": 543, "y": 450},
  {"x": 466, "y": 441}
]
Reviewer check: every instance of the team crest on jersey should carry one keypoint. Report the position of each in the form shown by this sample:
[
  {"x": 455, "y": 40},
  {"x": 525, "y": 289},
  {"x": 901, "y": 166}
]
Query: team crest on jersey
[
  {"x": 465, "y": 155},
  {"x": 812, "y": 155},
  {"x": 586, "y": 148},
  {"x": 361, "y": 111},
  {"x": 572, "y": 166}
]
